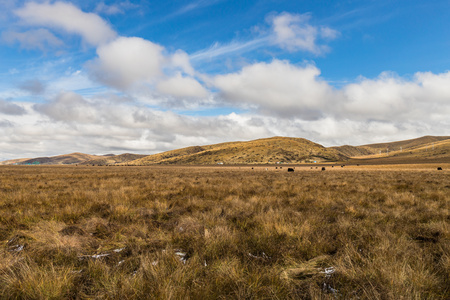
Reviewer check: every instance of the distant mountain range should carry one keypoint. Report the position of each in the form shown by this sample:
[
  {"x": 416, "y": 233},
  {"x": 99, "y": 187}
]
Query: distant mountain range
[{"x": 267, "y": 151}]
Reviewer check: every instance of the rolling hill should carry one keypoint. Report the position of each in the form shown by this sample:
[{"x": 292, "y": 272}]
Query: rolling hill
[
  {"x": 262, "y": 151},
  {"x": 65, "y": 159},
  {"x": 404, "y": 145},
  {"x": 410, "y": 151},
  {"x": 268, "y": 150},
  {"x": 113, "y": 159},
  {"x": 392, "y": 148}
]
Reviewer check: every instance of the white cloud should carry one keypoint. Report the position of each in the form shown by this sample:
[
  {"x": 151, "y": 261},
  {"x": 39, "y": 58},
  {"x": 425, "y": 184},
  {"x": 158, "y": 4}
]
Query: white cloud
[
  {"x": 113, "y": 9},
  {"x": 383, "y": 99},
  {"x": 284, "y": 90},
  {"x": 434, "y": 86},
  {"x": 294, "y": 33},
  {"x": 70, "y": 122},
  {"x": 132, "y": 63},
  {"x": 181, "y": 60},
  {"x": 180, "y": 86},
  {"x": 33, "y": 39},
  {"x": 277, "y": 88},
  {"x": 68, "y": 107},
  {"x": 127, "y": 61},
  {"x": 66, "y": 16},
  {"x": 391, "y": 98}
]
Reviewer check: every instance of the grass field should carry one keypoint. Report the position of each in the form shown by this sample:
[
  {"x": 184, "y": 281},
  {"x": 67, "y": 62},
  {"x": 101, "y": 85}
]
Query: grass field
[{"x": 353, "y": 232}]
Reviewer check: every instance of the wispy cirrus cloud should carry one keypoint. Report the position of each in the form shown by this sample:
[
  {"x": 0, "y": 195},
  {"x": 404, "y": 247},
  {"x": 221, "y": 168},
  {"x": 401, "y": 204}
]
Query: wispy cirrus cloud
[
  {"x": 235, "y": 47},
  {"x": 291, "y": 32},
  {"x": 194, "y": 5}
]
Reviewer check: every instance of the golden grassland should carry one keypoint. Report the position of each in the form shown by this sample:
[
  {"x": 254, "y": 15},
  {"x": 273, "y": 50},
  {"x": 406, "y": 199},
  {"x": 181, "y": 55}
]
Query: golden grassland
[
  {"x": 268, "y": 150},
  {"x": 248, "y": 232}
]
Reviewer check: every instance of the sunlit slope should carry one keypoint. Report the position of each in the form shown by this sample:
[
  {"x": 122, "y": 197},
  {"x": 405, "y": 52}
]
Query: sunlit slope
[
  {"x": 392, "y": 148},
  {"x": 438, "y": 151},
  {"x": 270, "y": 150},
  {"x": 404, "y": 145},
  {"x": 113, "y": 159}
]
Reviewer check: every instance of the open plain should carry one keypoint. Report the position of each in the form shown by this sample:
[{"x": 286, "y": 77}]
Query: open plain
[{"x": 240, "y": 232}]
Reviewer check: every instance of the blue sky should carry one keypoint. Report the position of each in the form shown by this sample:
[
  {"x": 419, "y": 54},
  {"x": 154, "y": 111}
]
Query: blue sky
[{"x": 149, "y": 76}]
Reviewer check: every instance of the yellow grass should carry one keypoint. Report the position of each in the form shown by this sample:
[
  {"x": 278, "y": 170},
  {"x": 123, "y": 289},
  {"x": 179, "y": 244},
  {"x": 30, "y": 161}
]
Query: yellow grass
[{"x": 243, "y": 232}]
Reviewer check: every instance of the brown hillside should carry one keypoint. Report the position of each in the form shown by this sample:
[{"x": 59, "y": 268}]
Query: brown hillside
[
  {"x": 426, "y": 153},
  {"x": 352, "y": 151},
  {"x": 13, "y": 161},
  {"x": 65, "y": 159},
  {"x": 262, "y": 151},
  {"x": 113, "y": 159},
  {"x": 403, "y": 145}
]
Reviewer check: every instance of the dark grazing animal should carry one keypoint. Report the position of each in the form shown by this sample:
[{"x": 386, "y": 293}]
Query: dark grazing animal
[{"x": 290, "y": 170}]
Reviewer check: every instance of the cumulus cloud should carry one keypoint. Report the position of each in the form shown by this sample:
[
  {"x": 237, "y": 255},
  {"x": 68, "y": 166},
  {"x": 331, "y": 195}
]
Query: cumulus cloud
[
  {"x": 180, "y": 59},
  {"x": 390, "y": 97},
  {"x": 66, "y": 16},
  {"x": 277, "y": 88},
  {"x": 41, "y": 39},
  {"x": 70, "y": 122},
  {"x": 180, "y": 86},
  {"x": 68, "y": 107},
  {"x": 298, "y": 92},
  {"x": 9, "y": 108},
  {"x": 128, "y": 60},
  {"x": 293, "y": 32},
  {"x": 382, "y": 98}
]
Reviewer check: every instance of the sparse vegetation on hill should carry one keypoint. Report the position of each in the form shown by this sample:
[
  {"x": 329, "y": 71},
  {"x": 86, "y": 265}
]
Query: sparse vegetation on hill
[
  {"x": 224, "y": 233},
  {"x": 422, "y": 153},
  {"x": 262, "y": 151},
  {"x": 351, "y": 151},
  {"x": 406, "y": 144},
  {"x": 113, "y": 159},
  {"x": 66, "y": 159}
]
